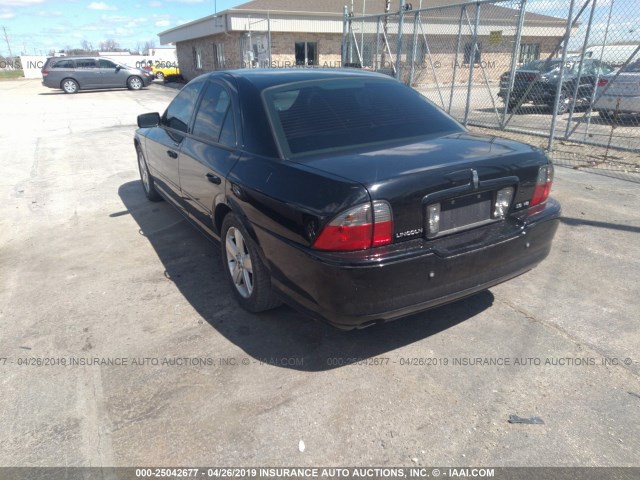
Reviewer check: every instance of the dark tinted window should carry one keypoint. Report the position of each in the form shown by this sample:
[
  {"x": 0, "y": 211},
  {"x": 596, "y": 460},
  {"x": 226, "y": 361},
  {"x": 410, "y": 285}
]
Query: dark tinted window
[
  {"x": 180, "y": 109},
  {"x": 63, "y": 64},
  {"x": 102, "y": 63},
  {"x": 338, "y": 114},
  {"x": 541, "y": 65},
  {"x": 633, "y": 67},
  {"x": 228, "y": 133},
  {"x": 86, "y": 63},
  {"x": 214, "y": 109}
]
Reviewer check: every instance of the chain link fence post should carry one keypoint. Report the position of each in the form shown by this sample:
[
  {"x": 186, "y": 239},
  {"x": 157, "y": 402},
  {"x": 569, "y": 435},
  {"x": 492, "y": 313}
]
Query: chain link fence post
[
  {"x": 399, "y": 40},
  {"x": 345, "y": 30},
  {"x": 565, "y": 46},
  {"x": 514, "y": 61},
  {"x": 463, "y": 10},
  {"x": 472, "y": 62}
]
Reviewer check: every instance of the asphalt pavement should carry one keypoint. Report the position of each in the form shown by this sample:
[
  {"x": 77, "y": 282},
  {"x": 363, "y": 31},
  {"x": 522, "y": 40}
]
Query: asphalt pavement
[{"x": 121, "y": 344}]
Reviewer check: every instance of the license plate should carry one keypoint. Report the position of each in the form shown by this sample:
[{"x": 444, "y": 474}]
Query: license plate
[{"x": 457, "y": 214}]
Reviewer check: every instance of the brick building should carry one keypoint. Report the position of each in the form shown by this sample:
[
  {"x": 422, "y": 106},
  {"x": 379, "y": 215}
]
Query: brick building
[{"x": 282, "y": 33}]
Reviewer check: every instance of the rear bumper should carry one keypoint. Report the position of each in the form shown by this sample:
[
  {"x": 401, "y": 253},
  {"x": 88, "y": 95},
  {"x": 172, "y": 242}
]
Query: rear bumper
[
  {"x": 358, "y": 289},
  {"x": 609, "y": 103}
]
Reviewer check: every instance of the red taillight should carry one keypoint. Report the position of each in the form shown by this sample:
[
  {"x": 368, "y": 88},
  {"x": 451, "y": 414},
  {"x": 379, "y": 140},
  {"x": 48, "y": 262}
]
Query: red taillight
[
  {"x": 603, "y": 82},
  {"x": 358, "y": 228},
  {"x": 44, "y": 72},
  {"x": 543, "y": 185}
]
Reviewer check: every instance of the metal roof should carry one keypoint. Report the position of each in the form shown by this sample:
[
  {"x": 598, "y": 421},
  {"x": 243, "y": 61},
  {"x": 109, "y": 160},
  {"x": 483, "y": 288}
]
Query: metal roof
[{"x": 332, "y": 11}]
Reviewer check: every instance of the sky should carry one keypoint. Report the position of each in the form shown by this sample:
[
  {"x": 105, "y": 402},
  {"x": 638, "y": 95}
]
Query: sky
[{"x": 35, "y": 27}]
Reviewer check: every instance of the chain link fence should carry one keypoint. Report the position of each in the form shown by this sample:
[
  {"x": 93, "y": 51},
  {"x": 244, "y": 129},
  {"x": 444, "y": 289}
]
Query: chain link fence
[{"x": 566, "y": 73}]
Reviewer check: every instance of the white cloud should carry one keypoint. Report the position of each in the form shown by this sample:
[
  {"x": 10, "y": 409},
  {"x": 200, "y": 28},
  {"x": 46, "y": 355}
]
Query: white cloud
[
  {"x": 155, "y": 4},
  {"x": 100, "y": 6},
  {"x": 7, "y": 15},
  {"x": 163, "y": 23},
  {"x": 45, "y": 13},
  {"x": 20, "y": 3},
  {"x": 115, "y": 18}
]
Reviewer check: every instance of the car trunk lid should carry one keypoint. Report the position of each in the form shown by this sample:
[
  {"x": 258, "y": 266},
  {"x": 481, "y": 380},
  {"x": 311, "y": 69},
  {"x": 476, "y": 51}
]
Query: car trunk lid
[
  {"x": 625, "y": 85},
  {"x": 460, "y": 173}
]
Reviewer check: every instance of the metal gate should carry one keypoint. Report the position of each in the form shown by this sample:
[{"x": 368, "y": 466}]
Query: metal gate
[{"x": 567, "y": 74}]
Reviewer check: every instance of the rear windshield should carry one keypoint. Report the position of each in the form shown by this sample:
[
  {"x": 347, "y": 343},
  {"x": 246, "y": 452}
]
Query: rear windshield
[
  {"x": 539, "y": 65},
  {"x": 331, "y": 115}
]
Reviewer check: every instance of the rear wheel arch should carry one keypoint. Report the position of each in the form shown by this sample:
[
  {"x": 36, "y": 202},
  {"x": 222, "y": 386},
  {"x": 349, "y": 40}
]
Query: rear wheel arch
[{"x": 221, "y": 210}]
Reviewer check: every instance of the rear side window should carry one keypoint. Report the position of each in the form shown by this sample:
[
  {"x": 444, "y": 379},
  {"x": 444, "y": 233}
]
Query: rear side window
[
  {"x": 63, "y": 64},
  {"x": 86, "y": 63},
  {"x": 179, "y": 111},
  {"x": 213, "y": 112},
  {"x": 331, "y": 115}
]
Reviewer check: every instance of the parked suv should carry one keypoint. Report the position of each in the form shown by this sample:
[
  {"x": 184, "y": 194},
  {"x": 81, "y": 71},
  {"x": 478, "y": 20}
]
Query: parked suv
[
  {"x": 86, "y": 73},
  {"x": 537, "y": 82}
]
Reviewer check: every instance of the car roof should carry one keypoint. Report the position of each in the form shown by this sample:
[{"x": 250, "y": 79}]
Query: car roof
[
  {"x": 265, "y": 78},
  {"x": 81, "y": 57}
]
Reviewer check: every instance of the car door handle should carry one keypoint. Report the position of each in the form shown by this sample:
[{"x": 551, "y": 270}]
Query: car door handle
[
  {"x": 214, "y": 178},
  {"x": 172, "y": 154}
]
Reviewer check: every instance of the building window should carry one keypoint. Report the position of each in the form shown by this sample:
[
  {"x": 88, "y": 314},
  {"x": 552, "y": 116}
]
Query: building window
[
  {"x": 529, "y": 52},
  {"x": 468, "y": 53},
  {"x": 197, "y": 58},
  {"x": 218, "y": 56},
  {"x": 306, "y": 53}
]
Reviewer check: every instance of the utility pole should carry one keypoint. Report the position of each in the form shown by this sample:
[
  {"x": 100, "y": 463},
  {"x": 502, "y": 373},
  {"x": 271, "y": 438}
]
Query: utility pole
[
  {"x": 6, "y": 39},
  {"x": 385, "y": 21}
]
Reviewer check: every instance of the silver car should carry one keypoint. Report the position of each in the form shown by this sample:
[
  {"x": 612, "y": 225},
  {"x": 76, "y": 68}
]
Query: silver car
[
  {"x": 72, "y": 74},
  {"x": 622, "y": 95}
]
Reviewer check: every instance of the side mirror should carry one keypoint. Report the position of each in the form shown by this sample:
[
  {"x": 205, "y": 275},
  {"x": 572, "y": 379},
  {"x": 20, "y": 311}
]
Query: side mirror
[
  {"x": 149, "y": 120},
  {"x": 118, "y": 68}
]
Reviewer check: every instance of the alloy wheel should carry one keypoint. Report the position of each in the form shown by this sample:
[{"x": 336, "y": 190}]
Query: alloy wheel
[{"x": 239, "y": 262}]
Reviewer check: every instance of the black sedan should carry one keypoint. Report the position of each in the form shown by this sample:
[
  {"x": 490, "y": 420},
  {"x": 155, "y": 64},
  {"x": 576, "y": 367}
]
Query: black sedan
[
  {"x": 345, "y": 193},
  {"x": 537, "y": 82}
]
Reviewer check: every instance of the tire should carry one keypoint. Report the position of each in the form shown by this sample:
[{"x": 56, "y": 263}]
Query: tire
[
  {"x": 69, "y": 85},
  {"x": 160, "y": 76},
  {"x": 135, "y": 83},
  {"x": 247, "y": 275},
  {"x": 145, "y": 177}
]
